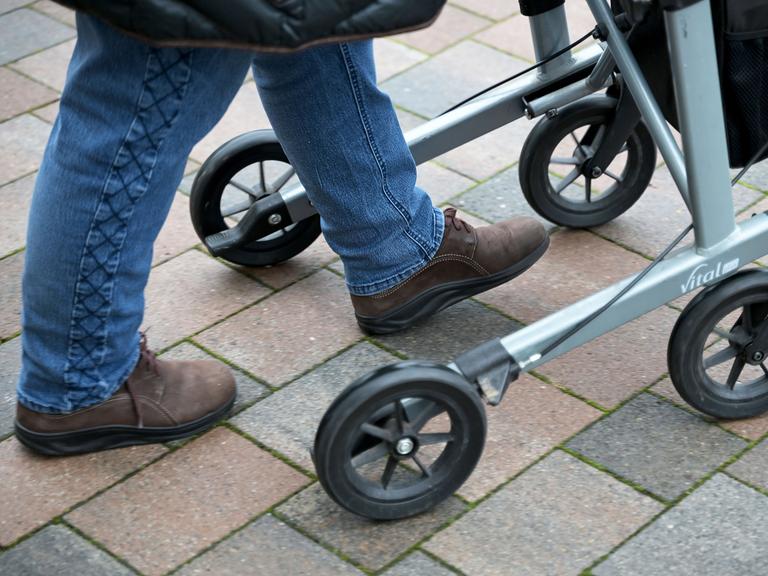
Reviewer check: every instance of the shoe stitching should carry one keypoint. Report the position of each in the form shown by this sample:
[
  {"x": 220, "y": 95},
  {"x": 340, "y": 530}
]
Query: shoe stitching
[{"x": 443, "y": 258}]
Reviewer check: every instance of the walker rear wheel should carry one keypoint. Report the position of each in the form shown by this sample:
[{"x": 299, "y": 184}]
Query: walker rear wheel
[
  {"x": 236, "y": 175},
  {"x": 727, "y": 378},
  {"x": 553, "y": 166},
  {"x": 400, "y": 440}
]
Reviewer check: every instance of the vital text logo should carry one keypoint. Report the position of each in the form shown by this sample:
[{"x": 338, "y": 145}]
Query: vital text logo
[{"x": 703, "y": 274}]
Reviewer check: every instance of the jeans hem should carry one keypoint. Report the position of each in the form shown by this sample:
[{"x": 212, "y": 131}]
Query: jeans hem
[
  {"x": 108, "y": 392},
  {"x": 370, "y": 288}
]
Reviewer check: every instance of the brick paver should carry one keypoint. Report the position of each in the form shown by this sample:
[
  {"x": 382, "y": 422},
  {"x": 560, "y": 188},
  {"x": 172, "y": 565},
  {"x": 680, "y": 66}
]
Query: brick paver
[
  {"x": 320, "y": 325},
  {"x": 15, "y": 199},
  {"x": 372, "y": 544},
  {"x": 658, "y": 446},
  {"x": 753, "y": 467},
  {"x": 190, "y": 292},
  {"x": 557, "y": 518},
  {"x": 22, "y": 140},
  {"x": 25, "y": 31},
  {"x": 10, "y": 363},
  {"x": 168, "y": 512},
  {"x": 719, "y": 529},
  {"x": 287, "y": 420},
  {"x": 48, "y": 66},
  {"x": 271, "y": 547},
  {"x": 58, "y": 550},
  {"x": 36, "y": 489},
  {"x": 561, "y": 488},
  {"x": 10, "y": 294},
  {"x": 19, "y": 94}
]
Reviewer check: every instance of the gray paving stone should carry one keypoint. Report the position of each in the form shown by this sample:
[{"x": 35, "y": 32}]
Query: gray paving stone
[
  {"x": 15, "y": 199},
  {"x": 660, "y": 215},
  {"x": 445, "y": 335},
  {"x": 272, "y": 548},
  {"x": 371, "y": 544},
  {"x": 58, "y": 550},
  {"x": 10, "y": 364},
  {"x": 500, "y": 198},
  {"x": 22, "y": 141},
  {"x": 558, "y": 517},
  {"x": 287, "y": 420},
  {"x": 8, "y": 5},
  {"x": 717, "y": 530},
  {"x": 757, "y": 176},
  {"x": 25, "y": 31},
  {"x": 248, "y": 389},
  {"x": 753, "y": 466},
  {"x": 418, "y": 564},
  {"x": 466, "y": 68},
  {"x": 657, "y": 445}
]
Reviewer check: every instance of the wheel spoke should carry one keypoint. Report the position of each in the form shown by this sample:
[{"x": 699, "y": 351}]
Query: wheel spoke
[
  {"x": 578, "y": 144},
  {"x": 567, "y": 181},
  {"x": 377, "y": 432},
  {"x": 623, "y": 148},
  {"x": 719, "y": 357},
  {"x": 733, "y": 376},
  {"x": 439, "y": 438},
  {"x": 424, "y": 470},
  {"x": 588, "y": 190},
  {"x": 389, "y": 471},
  {"x": 243, "y": 188},
  {"x": 262, "y": 179},
  {"x": 282, "y": 180},
  {"x": 371, "y": 455},
  {"x": 765, "y": 370},
  {"x": 733, "y": 336},
  {"x": 237, "y": 208},
  {"x": 747, "y": 319},
  {"x": 572, "y": 161},
  {"x": 429, "y": 411},
  {"x": 400, "y": 416},
  {"x": 610, "y": 174}
]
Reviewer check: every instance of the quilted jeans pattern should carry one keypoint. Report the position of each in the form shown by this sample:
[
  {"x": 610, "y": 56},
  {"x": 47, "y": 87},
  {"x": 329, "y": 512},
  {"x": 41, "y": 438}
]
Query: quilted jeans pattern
[{"x": 129, "y": 117}]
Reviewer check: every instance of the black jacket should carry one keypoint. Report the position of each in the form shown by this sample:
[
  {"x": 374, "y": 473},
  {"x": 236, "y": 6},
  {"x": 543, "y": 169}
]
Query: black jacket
[{"x": 274, "y": 25}]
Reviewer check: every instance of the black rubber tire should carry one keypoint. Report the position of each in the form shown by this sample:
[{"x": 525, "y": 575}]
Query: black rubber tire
[
  {"x": 208, "y": 188},
  {"x": 365, "y": 401},
  {"x": 544, "y": 139},
  {"x": 685, "y": 353}
]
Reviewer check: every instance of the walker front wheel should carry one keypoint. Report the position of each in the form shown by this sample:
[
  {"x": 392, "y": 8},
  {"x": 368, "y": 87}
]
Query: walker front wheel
[
  {"x": 727, "y": 378},
  {"x": 555, "y": 159},
  {"x": 400, "y": 440}
]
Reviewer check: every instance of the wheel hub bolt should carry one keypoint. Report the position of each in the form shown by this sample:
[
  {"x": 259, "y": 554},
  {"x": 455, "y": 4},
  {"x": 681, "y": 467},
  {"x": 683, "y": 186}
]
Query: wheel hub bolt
[
  {"x": 404, "y": 446},
  {"x": 596, "y": 172},
  {"x": 275, "y": 219},
  {"x": 758, "y": 356}
]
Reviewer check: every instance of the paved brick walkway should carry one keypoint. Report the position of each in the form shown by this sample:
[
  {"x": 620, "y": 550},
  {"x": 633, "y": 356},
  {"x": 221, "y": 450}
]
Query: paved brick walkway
[{"x": 593, "y": 465}]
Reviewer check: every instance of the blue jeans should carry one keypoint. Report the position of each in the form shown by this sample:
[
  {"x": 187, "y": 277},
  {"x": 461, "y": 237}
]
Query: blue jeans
[{"x": 129, "y": 117}]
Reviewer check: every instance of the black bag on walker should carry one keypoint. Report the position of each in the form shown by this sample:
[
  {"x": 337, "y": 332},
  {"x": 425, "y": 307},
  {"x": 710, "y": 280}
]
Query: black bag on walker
[{"x": 741, "y": 38}]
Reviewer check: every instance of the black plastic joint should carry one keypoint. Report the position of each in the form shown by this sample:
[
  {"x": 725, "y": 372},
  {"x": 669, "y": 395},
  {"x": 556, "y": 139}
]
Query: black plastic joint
[
  {"x": 536, "y": 7},
  {"x": 490, "y": 367}
]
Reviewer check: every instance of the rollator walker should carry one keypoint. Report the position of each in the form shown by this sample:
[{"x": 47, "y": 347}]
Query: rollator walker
[{"x": 401, "y": 439}]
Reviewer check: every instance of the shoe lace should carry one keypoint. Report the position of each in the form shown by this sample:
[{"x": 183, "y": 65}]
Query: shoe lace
[
  {"x": 456, "y": 222},
  {"x": 148, "y": 357}
]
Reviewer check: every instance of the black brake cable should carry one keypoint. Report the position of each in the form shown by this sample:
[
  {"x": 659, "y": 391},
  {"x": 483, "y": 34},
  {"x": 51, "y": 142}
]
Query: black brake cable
[{"x": 539, "y": 64}]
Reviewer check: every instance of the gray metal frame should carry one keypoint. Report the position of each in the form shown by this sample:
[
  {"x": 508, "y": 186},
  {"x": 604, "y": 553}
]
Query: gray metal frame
[{"x": 721, "y": 246}]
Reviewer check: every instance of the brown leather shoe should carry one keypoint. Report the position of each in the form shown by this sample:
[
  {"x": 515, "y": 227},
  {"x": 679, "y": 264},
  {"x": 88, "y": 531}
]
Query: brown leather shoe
[
  {"x": 469, "y": 261},
  {"x": 161, "y": 400}
]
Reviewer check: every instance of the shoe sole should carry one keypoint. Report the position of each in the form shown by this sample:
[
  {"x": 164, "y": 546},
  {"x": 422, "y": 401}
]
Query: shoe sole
[
  {"x": 107, "y": 437},
  {"x": 442, "y": 296}
]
